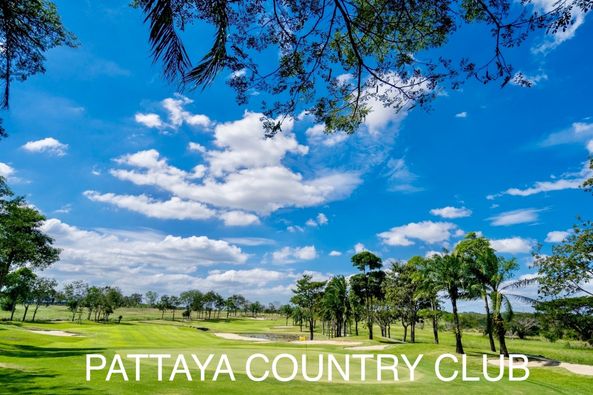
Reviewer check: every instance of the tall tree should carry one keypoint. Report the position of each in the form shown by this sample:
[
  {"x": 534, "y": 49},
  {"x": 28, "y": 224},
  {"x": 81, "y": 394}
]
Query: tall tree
[
  {"x": 336, "y": 303},
  {"x": 449, "y": 274},
  {"x": 429, "y": 289},
  {"x": 18, "y": 289},
  {"x": 570, "y": 265},
  {"x": 22, "y": 240},
  {"x": 370, "y": 266},
  {"x": 44, "y": 292},
  {"x": 338, "y": 58},
  {"x": 307, "y": 296},
  {"x": 480, "y": 258}
]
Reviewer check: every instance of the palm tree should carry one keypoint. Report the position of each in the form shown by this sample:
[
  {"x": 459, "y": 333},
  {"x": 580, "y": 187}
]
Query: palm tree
[
  {"x": 499, "y": 285},
  {"x": 480, "y": 259},
  {"x": 335, "y": 302},
  {"x": 429, "y": 290},
  {"x": 362, "y": 261},
  {"x": 448, "y": 274}
]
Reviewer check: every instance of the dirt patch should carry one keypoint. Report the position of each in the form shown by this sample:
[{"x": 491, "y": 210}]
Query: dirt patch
[
  {"x": 234, "y": 336},
  {"x": 53, "y": 333},
  {"x": 576, "y": 368},
  {"x": 327, "y": 342},
  {"x": 378, "y": 347}
]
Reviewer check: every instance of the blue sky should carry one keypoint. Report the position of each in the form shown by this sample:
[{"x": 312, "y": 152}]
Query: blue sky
[{"x": 146, "y": 188}]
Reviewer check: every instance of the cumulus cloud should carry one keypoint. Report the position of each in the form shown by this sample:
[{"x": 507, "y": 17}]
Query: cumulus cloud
[
  {"x": 47, "y": 145},
  {"x": 462, "y": 114},
  {"x": 105, "y": 249},
  {"x": 294, "y": 254},
  {"x": 513, "y": 245},
  {"x": 320, "y": 219},
  {"x": 239, "y": 218},
  {"x": 6, "y": 170},
  {"x": 316, "y": 135},
  {"x": 556, "y": 236},
  {"x": 243, "y": 172},
  {"x": 451, "y": 212},
  {"x": 426, "y": 231},
  {"x": 177, "y": 115},
  {"x": 359, "y": 247},
  {"x": 335, "y": 253},
  {"x": 174, "y": 208},
  {"x": 514, "y": 217}
]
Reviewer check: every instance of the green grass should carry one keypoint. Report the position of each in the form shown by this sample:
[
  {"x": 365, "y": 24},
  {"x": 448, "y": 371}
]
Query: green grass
[{"x": 36, "y": 363}]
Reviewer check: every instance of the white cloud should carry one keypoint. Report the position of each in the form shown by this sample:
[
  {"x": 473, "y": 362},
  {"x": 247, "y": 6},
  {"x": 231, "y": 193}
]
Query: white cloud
[
  {"x": 513, "y": 245},
  {"x": 316, "y": 135},
  {"x": 250, "y": 241},
  {"x": 514, "y": 217},
  {"x": 6, "y": 170},
  {"x": 590, "y": 146},
  {"x": 359, "y": 247},
  {"x": 401, "y": 179},
  {"x": 426, "y": 231},
  {"x": 245, "y": 172},
  {"x": 295, "y": 228},
  {"x": 432, "y": 253},
  {"x": 177, "y": 115},
  {"x": 556, "y": 236},
  {"x": 258, "y": 277},
  {"x": 290, "y": 254},
  {"x": 106, "y": 249},
  {"x": 149, "y": 120},
  {"x": 555, "y": 39},
  {"x": 49, "y": 145},
  {"x": 195, "y": 147},
  {"x": 335, "y": 253},
  {"x": 174, "y": 208},
  {"x": 578, "y": 132},
  {"x": 462, "y": 114},
  {"x": 566, "y": 181},
  {"x": 321, "y": 219},
  {"x": 239, "y": 218},
  {"x": 451, "y": 212},
  {"x": 521, "y": 79}
]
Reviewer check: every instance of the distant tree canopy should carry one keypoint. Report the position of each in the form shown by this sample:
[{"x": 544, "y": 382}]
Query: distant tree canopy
[
  {"x": 337, "y": 58},
  {"x": 567, "y": 316}
]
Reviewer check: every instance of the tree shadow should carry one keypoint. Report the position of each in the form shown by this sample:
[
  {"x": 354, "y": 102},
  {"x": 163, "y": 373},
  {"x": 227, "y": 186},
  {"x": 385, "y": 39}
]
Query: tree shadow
[
  {"x": 28, "y": 382},
  {"x": 26, "y": 351}
]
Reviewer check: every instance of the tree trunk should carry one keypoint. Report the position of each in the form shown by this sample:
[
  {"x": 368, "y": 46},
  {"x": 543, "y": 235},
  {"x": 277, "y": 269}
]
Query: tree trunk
[
  {"x": 35, "y": 312},
  {"x": 311, "y": 329},
  {"x": 25, "y": 313},
  {"x": 498, "y": 321},
  {"x": 458, "y": 344},
  {"x": 435, "y": 328},
  {"x": 356, "y": 327},
  {"x": 12, "y": 311},
  {"x": 405, "y": 332},
  {"x": 489, "y": 323}
]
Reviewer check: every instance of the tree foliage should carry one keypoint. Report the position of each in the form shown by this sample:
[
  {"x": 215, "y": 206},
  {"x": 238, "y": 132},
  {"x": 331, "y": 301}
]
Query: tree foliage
[
  {"x": 570, "y": 266},
  {"x": 22, "y": 241},
  {"x": 339, "y": 58},
  {"x": 567, "y": 317}
]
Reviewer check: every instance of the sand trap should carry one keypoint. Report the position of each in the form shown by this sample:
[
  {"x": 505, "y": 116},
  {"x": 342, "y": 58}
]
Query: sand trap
[
  {"x": 327, "y": 342},
  {"x": 576, "y": 368},
  {"x": 284, "y": 327},
  {"x": 378, "y": 347},
  {"x": 234, "y": 336},
  {"x": 53, "y": 333}
]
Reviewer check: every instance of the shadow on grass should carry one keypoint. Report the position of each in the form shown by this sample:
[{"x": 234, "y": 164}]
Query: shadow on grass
[
  {"x": 27, "y": 382},
  {"x": 26, "y": 351}
]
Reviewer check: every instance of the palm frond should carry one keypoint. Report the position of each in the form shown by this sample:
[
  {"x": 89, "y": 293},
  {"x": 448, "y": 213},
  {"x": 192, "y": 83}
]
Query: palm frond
[
  {"x": 166, "y": 44},
  {"x": 521, "y": 283},
  {"x": 522, "y": 298},
  {"x": 216, "y": 58}
]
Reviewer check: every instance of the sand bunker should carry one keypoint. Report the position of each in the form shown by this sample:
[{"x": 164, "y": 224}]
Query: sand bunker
[
  {"x": 53, "y": 333},
  {"x": 378, "y": 347},
  {"x": 284, "y": 327},
  {"x": 576, "y": 368},
  {"x": 327, "y": 342},
  {"x": 234, "y": 336}
]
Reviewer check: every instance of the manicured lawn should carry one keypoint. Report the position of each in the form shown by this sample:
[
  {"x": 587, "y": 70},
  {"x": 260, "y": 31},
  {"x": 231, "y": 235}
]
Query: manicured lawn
[{"x": 41, "y": 363}]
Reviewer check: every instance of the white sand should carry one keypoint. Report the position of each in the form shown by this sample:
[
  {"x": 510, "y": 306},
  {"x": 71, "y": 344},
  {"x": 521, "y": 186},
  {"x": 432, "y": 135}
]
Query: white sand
[
  {"x": 327, "y": 342},
  {"x": 378, "y": 347},
  {"x": 284, "y": 327},
  {"x": 54, "y": 333},
  {"x": 234, "y": 336},
  {"x": 576, "y": 368}
]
